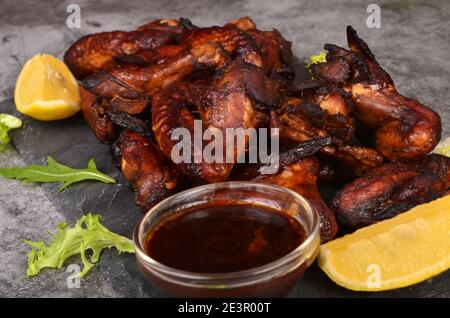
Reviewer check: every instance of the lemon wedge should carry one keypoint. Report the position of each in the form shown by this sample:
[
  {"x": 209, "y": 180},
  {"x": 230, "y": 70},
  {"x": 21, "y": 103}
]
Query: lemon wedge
[
  {"x": 395, "y": 253},
  {"x": 46, "y": 89}
]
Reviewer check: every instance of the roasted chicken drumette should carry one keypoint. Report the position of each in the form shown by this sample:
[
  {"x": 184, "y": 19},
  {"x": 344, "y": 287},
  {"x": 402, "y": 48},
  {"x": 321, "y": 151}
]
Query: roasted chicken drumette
[
  {"x": 390, "y": 189},
  {"x": 400, "y": 127}
]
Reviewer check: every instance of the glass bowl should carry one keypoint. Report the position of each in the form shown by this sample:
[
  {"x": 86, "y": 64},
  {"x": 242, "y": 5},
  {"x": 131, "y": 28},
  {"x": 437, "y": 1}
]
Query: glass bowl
[{"x": 270, "y": 280}]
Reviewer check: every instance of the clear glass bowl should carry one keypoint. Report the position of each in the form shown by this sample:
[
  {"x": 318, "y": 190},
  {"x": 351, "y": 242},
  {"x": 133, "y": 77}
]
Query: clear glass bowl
[{"x": 270, "y": 280}]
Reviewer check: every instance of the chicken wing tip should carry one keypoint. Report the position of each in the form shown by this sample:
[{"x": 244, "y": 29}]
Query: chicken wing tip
[
  {"x": 187, "y": 24},
  {"x": 357, "y": 44}
]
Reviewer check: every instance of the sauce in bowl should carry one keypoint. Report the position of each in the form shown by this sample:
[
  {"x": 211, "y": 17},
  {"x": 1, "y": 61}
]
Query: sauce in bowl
[
  {"x": 223, "y": 239},
  {"x": 230, "y": 239}
]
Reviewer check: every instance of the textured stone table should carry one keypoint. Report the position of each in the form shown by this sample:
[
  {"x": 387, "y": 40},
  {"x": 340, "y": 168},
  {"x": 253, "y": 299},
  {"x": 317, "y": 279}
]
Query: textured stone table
[{"x": 412, "y": 44}]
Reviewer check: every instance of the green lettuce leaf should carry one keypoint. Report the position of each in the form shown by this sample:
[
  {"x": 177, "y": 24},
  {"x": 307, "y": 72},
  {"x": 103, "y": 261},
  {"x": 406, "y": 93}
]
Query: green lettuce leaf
[
  {"x": 87, "y": 234},
  {"x": 56, "y": 172},
  {"x": 7, "y": 122},
  {"x": 443, "y": 148},
  {"x": 321, "y": 57}
]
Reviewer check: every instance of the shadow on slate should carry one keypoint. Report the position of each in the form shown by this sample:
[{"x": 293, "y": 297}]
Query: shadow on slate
[{"x": 71, "y": 142}]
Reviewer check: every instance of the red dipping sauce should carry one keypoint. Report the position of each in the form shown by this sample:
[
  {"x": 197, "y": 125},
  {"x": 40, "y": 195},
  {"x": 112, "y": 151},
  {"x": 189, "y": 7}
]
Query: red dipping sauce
[{"x": 223, "y": 239}]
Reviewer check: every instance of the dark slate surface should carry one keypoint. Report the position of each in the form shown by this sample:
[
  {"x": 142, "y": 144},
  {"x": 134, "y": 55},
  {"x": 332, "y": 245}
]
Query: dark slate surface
[{"x": 413, "y": 45}]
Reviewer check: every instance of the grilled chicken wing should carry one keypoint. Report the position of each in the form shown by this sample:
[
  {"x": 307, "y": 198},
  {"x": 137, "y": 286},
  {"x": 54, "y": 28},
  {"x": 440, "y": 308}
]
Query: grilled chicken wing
[
  {"x": 152, "y": 176},
  {"x": 198, "y": 49},
  {"x": 302, "y": 121},
  {"x": 227, "y": 102},
  {"x": 170, "y": 111},
  {"x": 95, "y": 112},
  {"x": 390, "y": 189},
  {"x": 95, "y": 52},
  {"x": 402, "y": 127},
  {"x": 134, "y": 81},
  {"x": 276, "y": 53}
]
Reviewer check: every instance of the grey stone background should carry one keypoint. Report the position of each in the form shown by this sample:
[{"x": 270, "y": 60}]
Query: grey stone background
[{"x": 413, "y": 45}]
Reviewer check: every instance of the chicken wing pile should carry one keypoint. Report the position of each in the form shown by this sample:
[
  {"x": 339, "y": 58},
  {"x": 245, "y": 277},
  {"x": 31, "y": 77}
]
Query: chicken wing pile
[{"x": 139, "y": 86}]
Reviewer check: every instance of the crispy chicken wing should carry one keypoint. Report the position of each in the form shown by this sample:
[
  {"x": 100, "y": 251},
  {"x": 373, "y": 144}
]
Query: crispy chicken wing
[
  {"x": 142, "y": 163},
  {"x": 276, "y": 53},
  {"x": 402, "y": 127},
  {"x": 391, "y": 189},
  {"x": 227, "y": 102},
  {"x": 95, "y": 112},
  {"x": 302, "y": 121},
  {"x": 134, "y": 81}
]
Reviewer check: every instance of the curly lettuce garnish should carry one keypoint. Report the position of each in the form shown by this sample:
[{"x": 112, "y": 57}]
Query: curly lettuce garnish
[
  {"x": 7, "y": 122},
  {"x": 87, "y": 234},
  {"x": 316, "y": 59}
]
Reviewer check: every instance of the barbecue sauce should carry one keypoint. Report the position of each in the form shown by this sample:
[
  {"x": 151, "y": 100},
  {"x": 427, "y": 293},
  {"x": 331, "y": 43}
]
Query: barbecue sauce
[{"x": 221, "y": 239}]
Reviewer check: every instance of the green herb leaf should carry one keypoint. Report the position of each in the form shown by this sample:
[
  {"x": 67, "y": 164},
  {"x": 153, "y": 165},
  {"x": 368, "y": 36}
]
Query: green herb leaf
[
  {"x": 87, "y": 234},
  {"x": 56, "y": 172},
  {"x": 443, "y": 148},
  {"x": 316, "y": 59},
  {"x": 7, "y": 122}
]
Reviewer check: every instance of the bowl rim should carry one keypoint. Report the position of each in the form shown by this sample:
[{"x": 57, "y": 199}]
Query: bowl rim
[{"x": 247, "y": 273}]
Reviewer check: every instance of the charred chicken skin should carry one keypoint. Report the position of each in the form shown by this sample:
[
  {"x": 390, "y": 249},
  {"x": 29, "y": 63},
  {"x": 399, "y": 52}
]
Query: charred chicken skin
[
  {"x": 402, "y": 128},
  {"x": 390, "y": 189}
]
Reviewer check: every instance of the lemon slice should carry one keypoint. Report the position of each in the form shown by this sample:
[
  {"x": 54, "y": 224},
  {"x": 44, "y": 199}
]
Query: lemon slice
[
  {"x": 402, "y": 251},
  {"x": 46, "y": 89}
]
